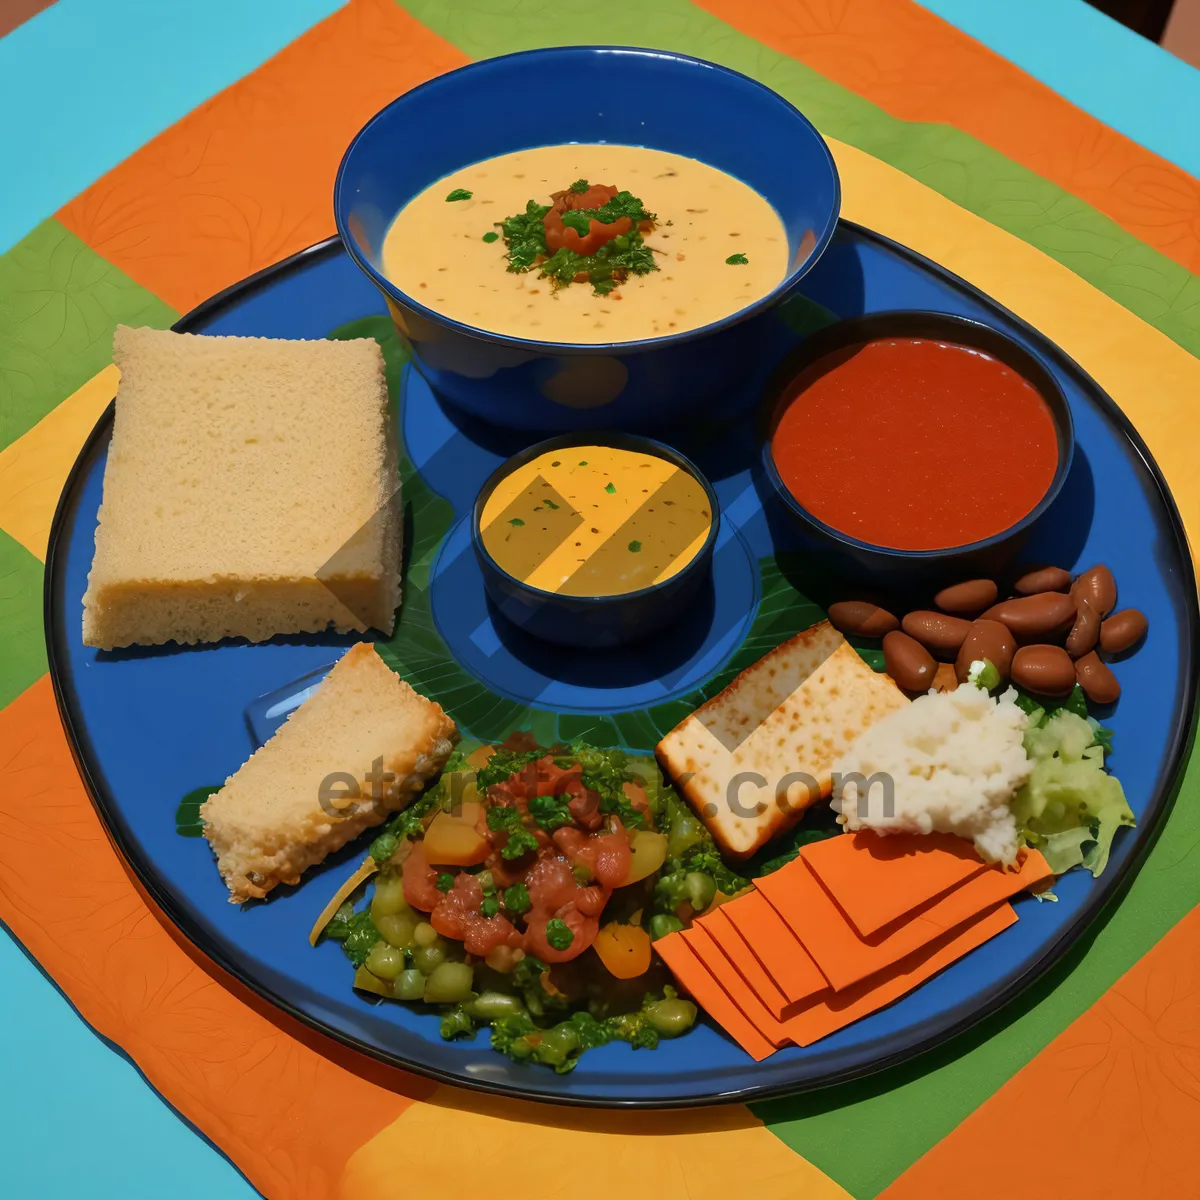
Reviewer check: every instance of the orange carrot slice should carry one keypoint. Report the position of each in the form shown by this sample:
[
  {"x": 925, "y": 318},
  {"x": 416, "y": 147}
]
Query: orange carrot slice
[{"x": 878, "y": 879}]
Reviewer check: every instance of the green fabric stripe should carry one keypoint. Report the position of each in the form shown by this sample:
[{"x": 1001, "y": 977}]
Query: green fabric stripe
[
  {"x": 866, "y": 1134},
  {"x": 971, "y": 174},
  {"x": 22, "y": 646},
  {"x": 59, "y": 304}
]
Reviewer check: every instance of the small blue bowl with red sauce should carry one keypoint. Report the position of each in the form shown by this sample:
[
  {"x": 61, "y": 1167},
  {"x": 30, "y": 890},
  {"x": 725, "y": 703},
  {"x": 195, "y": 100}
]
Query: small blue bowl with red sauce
[{"x": 915, "y": 449}]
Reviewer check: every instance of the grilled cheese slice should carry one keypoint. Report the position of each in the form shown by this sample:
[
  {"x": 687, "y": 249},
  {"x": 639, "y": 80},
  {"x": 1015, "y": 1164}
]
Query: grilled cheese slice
[
  {"x": 752, "y": 758},
  {"x": 305, "y": 793}
]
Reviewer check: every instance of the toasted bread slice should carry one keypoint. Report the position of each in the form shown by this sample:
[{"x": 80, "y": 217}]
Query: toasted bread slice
[
  {"x": 306, "y": 792},
  {"x": 756, "y": 755}
]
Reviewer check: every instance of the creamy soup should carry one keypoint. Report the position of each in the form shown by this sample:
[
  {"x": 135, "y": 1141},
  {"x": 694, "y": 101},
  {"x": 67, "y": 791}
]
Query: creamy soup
[
  {"x": 595, "y": 521},
  {"x": 442, "y": 251}
]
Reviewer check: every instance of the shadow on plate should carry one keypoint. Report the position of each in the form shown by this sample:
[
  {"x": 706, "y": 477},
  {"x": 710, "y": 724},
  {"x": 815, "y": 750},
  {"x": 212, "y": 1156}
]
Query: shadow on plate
[{"x": 658, "y": 656}]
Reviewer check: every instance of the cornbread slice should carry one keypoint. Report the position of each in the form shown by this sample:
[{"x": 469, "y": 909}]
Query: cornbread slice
[
  {"x": 749, "y": 758},
  {"x": 251, "y": 489},
  {"x": 320, "y": 781}
]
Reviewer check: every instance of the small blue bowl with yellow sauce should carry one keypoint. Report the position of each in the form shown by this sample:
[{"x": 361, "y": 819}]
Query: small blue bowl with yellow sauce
[
  {"x": 595, "y": 539},
  {"x": 743, "y": 192}
]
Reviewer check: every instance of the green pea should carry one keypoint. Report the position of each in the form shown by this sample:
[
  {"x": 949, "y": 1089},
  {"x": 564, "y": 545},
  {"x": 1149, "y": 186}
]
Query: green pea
[
  {"x": 700, "y": 890},
  {"x": 491, "y": 1006},
  {"x": 425, "y": 934},
  {"x": 385, "y": 961},
  {"x": 663, "y": 923},
  {"x": 449, "y": 983},
  {"x": 684, "y": 833},
  {"x": 409, "y": 985},
  {"x": 670, "y": 1017},
  {"x": 388, "y": 899},
  {"x": 397, "y": 928},
  {"x": 428, "y": 958}
]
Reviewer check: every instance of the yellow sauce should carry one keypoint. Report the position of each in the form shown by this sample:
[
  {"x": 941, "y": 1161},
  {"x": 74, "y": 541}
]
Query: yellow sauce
[
  {"x": 595, "y": 521},
  {"x": 435, "y": 252}
]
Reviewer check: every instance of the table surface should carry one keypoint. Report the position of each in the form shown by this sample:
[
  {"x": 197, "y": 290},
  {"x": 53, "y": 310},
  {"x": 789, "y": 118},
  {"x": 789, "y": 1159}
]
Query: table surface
[{"x": 119, "y": 80}]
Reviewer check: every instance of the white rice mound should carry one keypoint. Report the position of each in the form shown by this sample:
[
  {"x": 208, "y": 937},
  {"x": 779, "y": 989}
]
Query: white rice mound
[{"x": 955, "y": 759}]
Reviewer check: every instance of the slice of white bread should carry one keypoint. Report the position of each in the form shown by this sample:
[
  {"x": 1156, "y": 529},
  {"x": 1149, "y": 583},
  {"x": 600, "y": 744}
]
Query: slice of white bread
[
  {"x": 305, "y": 793},
  {"x": 251, "y": 489},
  {"x": 739, "y": 759}
]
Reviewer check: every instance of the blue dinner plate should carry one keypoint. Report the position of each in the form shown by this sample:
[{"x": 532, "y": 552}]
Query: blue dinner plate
[{"x": 150, "y": 725}]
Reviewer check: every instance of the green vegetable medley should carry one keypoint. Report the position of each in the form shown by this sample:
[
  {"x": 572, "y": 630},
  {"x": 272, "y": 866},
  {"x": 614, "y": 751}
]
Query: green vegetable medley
[{"x": 536, "y": 1011}]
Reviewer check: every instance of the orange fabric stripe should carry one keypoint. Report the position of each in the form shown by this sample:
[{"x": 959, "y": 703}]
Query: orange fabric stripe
[
  {"x": 247, "y": 178},
  {"x": 273, "y": 1095},
  {"x": 1119, "y": 1087},
  {"x": 919, "y": 68}
]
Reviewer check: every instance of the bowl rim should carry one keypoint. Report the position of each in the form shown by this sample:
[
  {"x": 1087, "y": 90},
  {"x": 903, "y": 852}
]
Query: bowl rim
[
  {"x": 619, "y": 440},
  {"x": 966, "y": 331},
  {"x": 341, "y": 206}
]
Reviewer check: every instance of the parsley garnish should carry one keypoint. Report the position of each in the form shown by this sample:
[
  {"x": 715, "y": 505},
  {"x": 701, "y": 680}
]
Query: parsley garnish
[
  {"x": 520, "y": 841},
  {"x": 516, "y": 521},
  {"x": 635, "y": 547},
  {"x": 549, "y": 504},
  {"x": 516, "y": 898},
  {"x": 550, "y": 812},
  {"x": 525, "y": 236},
  {"x": 558, "y": 934},
  {"x": 459, "y": 194},
  {"x": 610, "y": 488},
  {"x": 490, "y": 906},
  {"x": 445, "y": 881},
  {"x": 737, "y": 260},
  {"x": 491, "y": 236}
]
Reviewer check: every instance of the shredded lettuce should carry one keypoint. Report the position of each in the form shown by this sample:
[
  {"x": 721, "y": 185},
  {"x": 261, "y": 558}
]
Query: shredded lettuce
[{"x": 1070, "y": 808}]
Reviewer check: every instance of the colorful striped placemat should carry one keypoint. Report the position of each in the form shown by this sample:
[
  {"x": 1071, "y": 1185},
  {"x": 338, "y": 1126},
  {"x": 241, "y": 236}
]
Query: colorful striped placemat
[{"x": 148, "y": 182}]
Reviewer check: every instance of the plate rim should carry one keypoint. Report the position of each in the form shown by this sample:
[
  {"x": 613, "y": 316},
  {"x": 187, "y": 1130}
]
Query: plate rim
[{"x": 950, "y": 1028}]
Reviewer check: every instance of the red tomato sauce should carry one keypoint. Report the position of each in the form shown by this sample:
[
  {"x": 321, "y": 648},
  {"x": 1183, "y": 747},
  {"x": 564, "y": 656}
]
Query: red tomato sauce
[{"x": 915, "y": 444}]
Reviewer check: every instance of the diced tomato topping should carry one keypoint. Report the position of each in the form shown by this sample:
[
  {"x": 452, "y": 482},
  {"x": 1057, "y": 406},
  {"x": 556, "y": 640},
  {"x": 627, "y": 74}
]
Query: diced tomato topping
[
  {"x": 458, "y": 908},
  {"x": 420, "y": 880},
  {"x": 605, "y": 855},
  {"x": 559, "y": 235},
  {"x": 486, "y": 933}
]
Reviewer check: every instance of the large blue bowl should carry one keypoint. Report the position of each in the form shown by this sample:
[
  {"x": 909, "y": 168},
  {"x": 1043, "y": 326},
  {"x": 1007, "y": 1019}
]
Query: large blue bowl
[{"x": 642, "y": 97}]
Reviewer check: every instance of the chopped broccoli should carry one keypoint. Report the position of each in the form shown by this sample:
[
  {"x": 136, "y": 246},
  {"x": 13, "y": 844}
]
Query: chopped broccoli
[
  {"x": 456, "y": 1022},
  {"x": 520, "y": 841}
]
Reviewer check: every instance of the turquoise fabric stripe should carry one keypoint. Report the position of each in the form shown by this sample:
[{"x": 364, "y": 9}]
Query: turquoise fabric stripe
[
  {"x": 1124, "y": 80},
  {"x": 76, "y": 1119},
  {"x": 85, "y": 83}
]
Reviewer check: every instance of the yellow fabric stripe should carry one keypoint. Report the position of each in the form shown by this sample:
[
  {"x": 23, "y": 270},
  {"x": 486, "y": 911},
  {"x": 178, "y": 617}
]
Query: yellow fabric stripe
[
  {"x": 34, "y": 468},
  {"x": 454, "y": 1143}
]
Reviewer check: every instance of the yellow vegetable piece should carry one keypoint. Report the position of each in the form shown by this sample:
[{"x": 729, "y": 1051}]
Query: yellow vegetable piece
[
  {"x": 479, "y": 758},
  {"x": 647, "y": 852},
  {"x": 624, "y": 950},
  {"x": 366, "y": 982},
  {"x": 365, "y": 871},
  {"x": 457, "y": 839}
]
